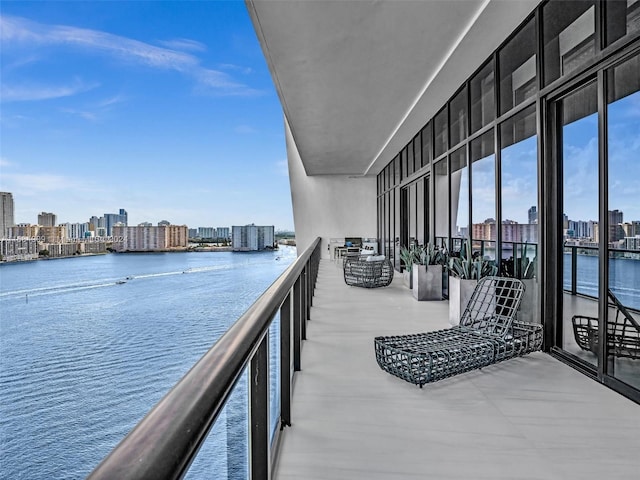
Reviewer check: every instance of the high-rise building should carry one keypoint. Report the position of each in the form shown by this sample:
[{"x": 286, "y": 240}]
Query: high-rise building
[
  {"x": 252, "y": 237},
  {"x": 145, "y": 238},
  {"x": 206, "y": 232},
  {"x": 7, "y": 211},
  {"x": 533, "y": 214},
  {"x": 47, "y": 219},
  {"x": 76, "y": 230},
  {"x": 111, "y": 219},
  {"x": 54, "y": 234},
  {"x": 223, "y": 233},
  {"x": 616, "y": 219},
  {"x": 12, "y": 249}
]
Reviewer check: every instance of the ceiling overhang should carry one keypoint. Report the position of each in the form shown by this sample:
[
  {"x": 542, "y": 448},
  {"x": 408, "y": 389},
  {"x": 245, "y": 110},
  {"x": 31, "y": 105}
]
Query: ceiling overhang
[{"x": 358, "y": 79}]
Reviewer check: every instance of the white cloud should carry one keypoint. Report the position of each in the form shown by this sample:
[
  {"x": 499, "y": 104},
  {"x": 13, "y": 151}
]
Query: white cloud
[
  {"x": 16, "y": 30},
  {"x": 236, "y": 68},
  {"x": 184, "y": 44},
  {"x": 5, "y": 163},
  {"x": 42, "y": 92}
]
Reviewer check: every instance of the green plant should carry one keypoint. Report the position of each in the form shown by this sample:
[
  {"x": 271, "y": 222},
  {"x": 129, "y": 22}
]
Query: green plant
[
  {"x": 429, "y": 254},
  {"x": 408, "y": 257},
  {"x": 522, "y": 267},
  {"x": 468, "y": 266}
]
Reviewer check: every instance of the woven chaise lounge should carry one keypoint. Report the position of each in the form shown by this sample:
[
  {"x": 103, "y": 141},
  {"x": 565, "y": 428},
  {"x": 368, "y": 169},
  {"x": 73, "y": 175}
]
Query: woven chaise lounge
[
  {"x": 367, "y": 271},
  {"x": 623, "y": 332},
  {"x": 488, "y": 333}
]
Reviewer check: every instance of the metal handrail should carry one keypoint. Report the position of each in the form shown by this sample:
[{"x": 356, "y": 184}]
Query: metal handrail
[{"x": 168, "y": 438}]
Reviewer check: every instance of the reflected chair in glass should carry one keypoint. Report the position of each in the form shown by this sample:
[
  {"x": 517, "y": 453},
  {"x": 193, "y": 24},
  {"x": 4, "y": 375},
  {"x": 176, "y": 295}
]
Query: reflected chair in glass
[{"x": 623, "y": 333}]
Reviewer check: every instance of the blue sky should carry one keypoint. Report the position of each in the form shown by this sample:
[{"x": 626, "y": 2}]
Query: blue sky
[{"x": 165, "y": 109}]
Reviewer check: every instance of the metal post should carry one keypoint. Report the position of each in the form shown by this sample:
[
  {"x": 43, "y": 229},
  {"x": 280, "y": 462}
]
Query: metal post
[
  {"x": 297, "y": 321},
  {"x": 285, "y": 362},
  {"x": 259, "y": 444},
  {"x": 574, "y": 270},
  {"x": 303, "y": 304},
  {"x": 308, "y": 289}
]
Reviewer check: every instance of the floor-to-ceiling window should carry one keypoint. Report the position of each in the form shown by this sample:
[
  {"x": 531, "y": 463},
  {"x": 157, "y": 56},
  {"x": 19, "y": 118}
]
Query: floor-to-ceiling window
[
  {"x": 519, "y": 194},
  {"x": 483, "y": 195},
  {"x": 623, "y": 135},
  {"x": 441, "y": 185},
  {"x": 459, "y": 197},
  {"x": 535, "y": 153},
  {"x": 580, "y": 228}
]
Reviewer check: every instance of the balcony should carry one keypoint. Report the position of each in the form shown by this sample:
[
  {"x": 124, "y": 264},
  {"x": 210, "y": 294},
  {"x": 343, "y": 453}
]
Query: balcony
[
  {"x": 529, "y": 417},
  {"x": 525, "y": 418}
]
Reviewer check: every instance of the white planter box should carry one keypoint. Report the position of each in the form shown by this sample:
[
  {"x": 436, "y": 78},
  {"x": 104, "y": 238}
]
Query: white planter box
[
  {"x": 528, "y": 305},
  {"x": 407, "y": 278},
  {"x": 460, "y": 291},
  {"x": 427, "y": 282}
]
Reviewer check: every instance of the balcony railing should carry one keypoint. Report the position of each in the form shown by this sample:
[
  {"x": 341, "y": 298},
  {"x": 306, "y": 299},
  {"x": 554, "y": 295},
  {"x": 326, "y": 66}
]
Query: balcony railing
[
  {"x": 166, "y": 441},
  {"x": 581, "y": 273}
]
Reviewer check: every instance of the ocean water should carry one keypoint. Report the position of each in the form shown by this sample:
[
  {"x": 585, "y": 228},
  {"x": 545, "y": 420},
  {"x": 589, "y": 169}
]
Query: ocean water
[
  {"x": 624, "y": 278},
  {"x": 83, "y": 358}
]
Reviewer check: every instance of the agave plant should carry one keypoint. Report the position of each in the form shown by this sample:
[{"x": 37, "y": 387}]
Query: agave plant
[
  {"x": 408, "y": 257},
  {"x": 430, "y": 254},
  {"x": 521, "y": 267},
  {"x": 466, "y": 266}
]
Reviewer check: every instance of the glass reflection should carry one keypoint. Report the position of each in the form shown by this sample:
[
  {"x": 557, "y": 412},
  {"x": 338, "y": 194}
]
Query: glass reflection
[
  {"x": 580, "y": 210},
  {"x": 442, "y": 199},
  {"x": 623, "y": 115},
  {"x": 483, "y": 195},
  {"x": 459, "y": 194}
]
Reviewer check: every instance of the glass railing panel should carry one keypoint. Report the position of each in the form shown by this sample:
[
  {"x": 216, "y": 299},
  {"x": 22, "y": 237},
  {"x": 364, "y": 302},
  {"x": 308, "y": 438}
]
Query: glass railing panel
[
  {"x": 225, "y": 452},
  {"x": 274, "y": 376}
]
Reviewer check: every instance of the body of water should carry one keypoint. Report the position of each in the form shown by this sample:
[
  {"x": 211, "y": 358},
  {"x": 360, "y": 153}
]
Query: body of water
[
  {"x": 88, "y": 346},
  {"x": 624, "y": 278}
]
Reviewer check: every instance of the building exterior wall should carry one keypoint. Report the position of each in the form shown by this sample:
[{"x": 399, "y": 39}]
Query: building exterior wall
[
  {"x": 47, "y": 219},
  {"x": 24, "y": 230},
  {"x": 223, "y": 232},
  {"x": 7, "y": 209},
  {"x": 18, "y": 249},
  {"x": 55, "y": 234},
  {"x": 329, "y": 206},
  {"x": 143, "y": 238},
  {"x": 252, "y": 237},
  {"x": 177, "y": 236}
]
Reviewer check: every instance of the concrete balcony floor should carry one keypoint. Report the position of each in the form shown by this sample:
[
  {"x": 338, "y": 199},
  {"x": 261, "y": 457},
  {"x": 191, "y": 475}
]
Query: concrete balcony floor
[{"x": 526, "y": 418}]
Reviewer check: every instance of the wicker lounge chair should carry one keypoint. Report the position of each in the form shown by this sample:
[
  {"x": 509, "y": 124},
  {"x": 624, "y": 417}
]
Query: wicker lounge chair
[
  {"x": 487, "y": 334},
  {"x": 367, "y": 271},
  {"x": 623, "y": 333}
]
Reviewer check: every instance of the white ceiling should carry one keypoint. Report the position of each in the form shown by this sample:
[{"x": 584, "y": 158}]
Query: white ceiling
[{"x": 357, "y": 79}]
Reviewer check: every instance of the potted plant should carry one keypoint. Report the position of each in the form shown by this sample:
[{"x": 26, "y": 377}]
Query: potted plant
[
  {"x": 427, "y": 270},
  {"x": 524, "y": 269},
  {"x": 408, "y": 256},
  {"x": 465, "y": 271}
]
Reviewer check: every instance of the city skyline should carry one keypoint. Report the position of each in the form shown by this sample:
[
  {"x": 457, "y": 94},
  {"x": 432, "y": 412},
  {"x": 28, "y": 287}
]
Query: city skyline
[{"x": 151, "y": 105}]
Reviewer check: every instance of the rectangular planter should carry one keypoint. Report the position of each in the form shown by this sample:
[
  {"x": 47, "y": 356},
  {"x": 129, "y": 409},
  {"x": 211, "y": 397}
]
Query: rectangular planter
[
  {"x": 527, "y": 312},
  {"x": 407, "y": 278},
  {"x": 460, "y": 291},
  {"x": 427, "y": 282}
]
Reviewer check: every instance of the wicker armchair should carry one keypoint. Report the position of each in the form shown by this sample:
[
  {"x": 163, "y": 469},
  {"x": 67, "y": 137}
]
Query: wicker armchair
[
  {"x": 623, "y": 333},
  {"x": 487, "y": 334},
  {"x": 367, "y": 272}
]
